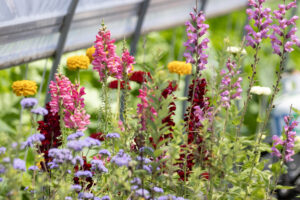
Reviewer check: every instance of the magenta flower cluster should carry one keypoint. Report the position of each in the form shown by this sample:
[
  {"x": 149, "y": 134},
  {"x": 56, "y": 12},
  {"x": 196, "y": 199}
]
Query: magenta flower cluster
[
  {"x": 106, "y": 62},
  {"x": 196, "y": 43},
  {"x": 230, "y": 84},
  {"x": 262, "y": 20},
  {"x": 127, "y": 62},
  {"x": 287, "y": 144},
  {"x": 284, "y": 30},
  {"x": 68, "y": 97}
]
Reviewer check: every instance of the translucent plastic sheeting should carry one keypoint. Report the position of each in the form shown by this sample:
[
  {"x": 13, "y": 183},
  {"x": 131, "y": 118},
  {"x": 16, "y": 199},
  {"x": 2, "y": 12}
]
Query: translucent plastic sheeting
[{"x": 29, "y": 29}]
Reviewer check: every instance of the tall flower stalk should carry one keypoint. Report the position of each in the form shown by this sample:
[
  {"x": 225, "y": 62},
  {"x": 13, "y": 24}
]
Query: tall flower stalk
[{"x": 255, "y": 35}]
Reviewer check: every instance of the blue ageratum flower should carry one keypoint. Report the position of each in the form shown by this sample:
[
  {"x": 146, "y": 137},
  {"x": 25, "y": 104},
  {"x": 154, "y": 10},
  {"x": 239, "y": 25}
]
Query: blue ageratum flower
[
  {"x": 142, "y": 193},
  {"x": 2, "y": 150},
  {"x": 121, "y": 159},
  {"x": 40, "y": 111},
  {"x": 113, "y": 135},
  {"x": 33, "y": 139},
  {"x": 105, "y": 152},
  {"x": 27, "y": 103},
  {"x": 83, "y": 174},
  {"x": 76, "y": 160},
  {"x": 19, "y": 164},
  {"x": 97, "y": 165},
  {"x": 85, "y": 195},
  {"x": 75, "y": 135},
  {"x": 33, "y": 168},
  {"x": 76, "y": 187},
  {"x": 158, "y": 189},
  {"x": 105, "y": 198}
]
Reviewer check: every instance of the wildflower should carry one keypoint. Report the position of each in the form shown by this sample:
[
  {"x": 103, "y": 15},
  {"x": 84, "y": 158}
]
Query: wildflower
[
  {"x": 33, "y": 139},
  {"x": 78, "y": 62},
  {"x": 68, "y": 198},
  {"x": 288, "y": 144},
  {"x": 2, "y": 169},
  {"x": 39, "y": 111},
  {"x": 89, "y": 53},
  {"x": 113, "y": 135},
  {"x": 236, "y": 50},
  {"x": 85, "y": 195},
  {"x": 284, "y": 28},
  {"x": 19, "y": 164},
  {"x": 136, "y": 181},
  {"x": 262, "y": 19},
  {"x": 196, "y": 45},
  {"x": 180, "y": 67},
  {"x": 60, "y": 155},
  {"x": 140, "y": 76},
  {"x": 83, "y": 174},
  {"x": 114, "y": 85},
  {"x": 24, "y": 88},
  {"x": 260, "y": 90},
  {"x": 2, "y": 150},
  {"x": 92, "y": 142},
  {"x": 27, "y": 103},
  {"x": 105, "y": 152},
  {"x": 77, "y": 145},
  {"x": 75, "y": 135},
  {"x": 106, "y": 62},
  {"x": 76, "y": 187},
  {"x": 121, "y": 159},
  {"x": 97, "y": 165}
]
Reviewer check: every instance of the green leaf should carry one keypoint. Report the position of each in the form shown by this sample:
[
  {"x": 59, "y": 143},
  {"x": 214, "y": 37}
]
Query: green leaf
[{"x": 284, "y": 187}]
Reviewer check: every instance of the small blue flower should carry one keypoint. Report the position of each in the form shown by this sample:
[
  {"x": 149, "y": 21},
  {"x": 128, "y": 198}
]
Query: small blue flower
[
  {"x": 113, "y": 135},
  {"x": 97, "y": 165},
  {"x": 19, "y": 164},
  {"x": 75, "y": 135},
  {"x": 85, "y": 195},
  {"x": 104, "y": 152},
  {"x": 105, "y": 198},
  {"x": 2, "y": 169},
  {"x": 83, "y": 174},
  {"x": 31, "y": 140},
  {"x": 142, "y": 193},
  {"x": 92, "y": 142},
  {"x": 76, "y": 160},
  {"x": 136, "y": 181},
  {"x": 68, "y": 198},
  {"x": 121, "y": 159},
  {"x": 33, "y": 168},
  {"x": 39, "y": 111},
  {"x": 28, "y": 102},
  {"x": 76, "y": 187},
  {"x": 2, "y": 150},
  {"x": 158, "y": 190}
]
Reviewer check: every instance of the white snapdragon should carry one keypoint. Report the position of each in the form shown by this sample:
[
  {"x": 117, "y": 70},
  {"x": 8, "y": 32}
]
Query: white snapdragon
[{"x": 260, "y": 90}]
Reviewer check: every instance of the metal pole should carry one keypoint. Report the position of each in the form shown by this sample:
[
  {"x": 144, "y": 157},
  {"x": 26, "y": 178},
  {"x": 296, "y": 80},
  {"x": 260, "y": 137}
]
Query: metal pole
[
  {"x": 188, "y": 77},
  {"x": 61, "y": 42},
  {"x": 139, "y": 24}
]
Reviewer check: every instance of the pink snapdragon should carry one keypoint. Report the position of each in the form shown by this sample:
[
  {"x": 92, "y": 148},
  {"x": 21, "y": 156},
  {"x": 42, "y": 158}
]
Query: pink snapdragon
[
  {"x": 230, "y": 84},
  {"x": 262, "y": 20},
  {"x": 288, "y": 143},
  {"x": 283, "y": 37},
  {"x": 143, "y": 108},
  {"x": 127, "y": 62},
  {"x": 106, "y": 62},
  {"x": 196, "y": 43},
  {"x": 68, "y": 97}
]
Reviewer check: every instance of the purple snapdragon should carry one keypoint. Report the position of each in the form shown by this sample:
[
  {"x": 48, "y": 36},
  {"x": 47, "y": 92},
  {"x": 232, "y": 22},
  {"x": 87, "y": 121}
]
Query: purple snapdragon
[
  {"x": 288, "y": 144},
  {"x": 262, "y": 20},
  {"x": 33, "y": 139},
  {"x": 230, "y": 84},
  {"x": 27, "y": 103},
  {"x": 121, "y": 159},
  {"x": 284, "y": 30},
  {"x": 40, "y": 111},
  {"x": 196, "y": 43}
]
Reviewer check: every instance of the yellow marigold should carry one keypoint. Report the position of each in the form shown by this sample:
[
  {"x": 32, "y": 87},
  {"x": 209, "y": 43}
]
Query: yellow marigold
[
  {"x": 24, "y": 88},
  {"x": 78, "y": 62},
  {"x": 89, "y": 53},
  {"x": 180, "y": 67}
]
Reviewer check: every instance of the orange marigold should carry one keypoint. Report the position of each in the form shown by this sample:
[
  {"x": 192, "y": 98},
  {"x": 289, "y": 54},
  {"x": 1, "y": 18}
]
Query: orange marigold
[{"x": 24, "y": 88}]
